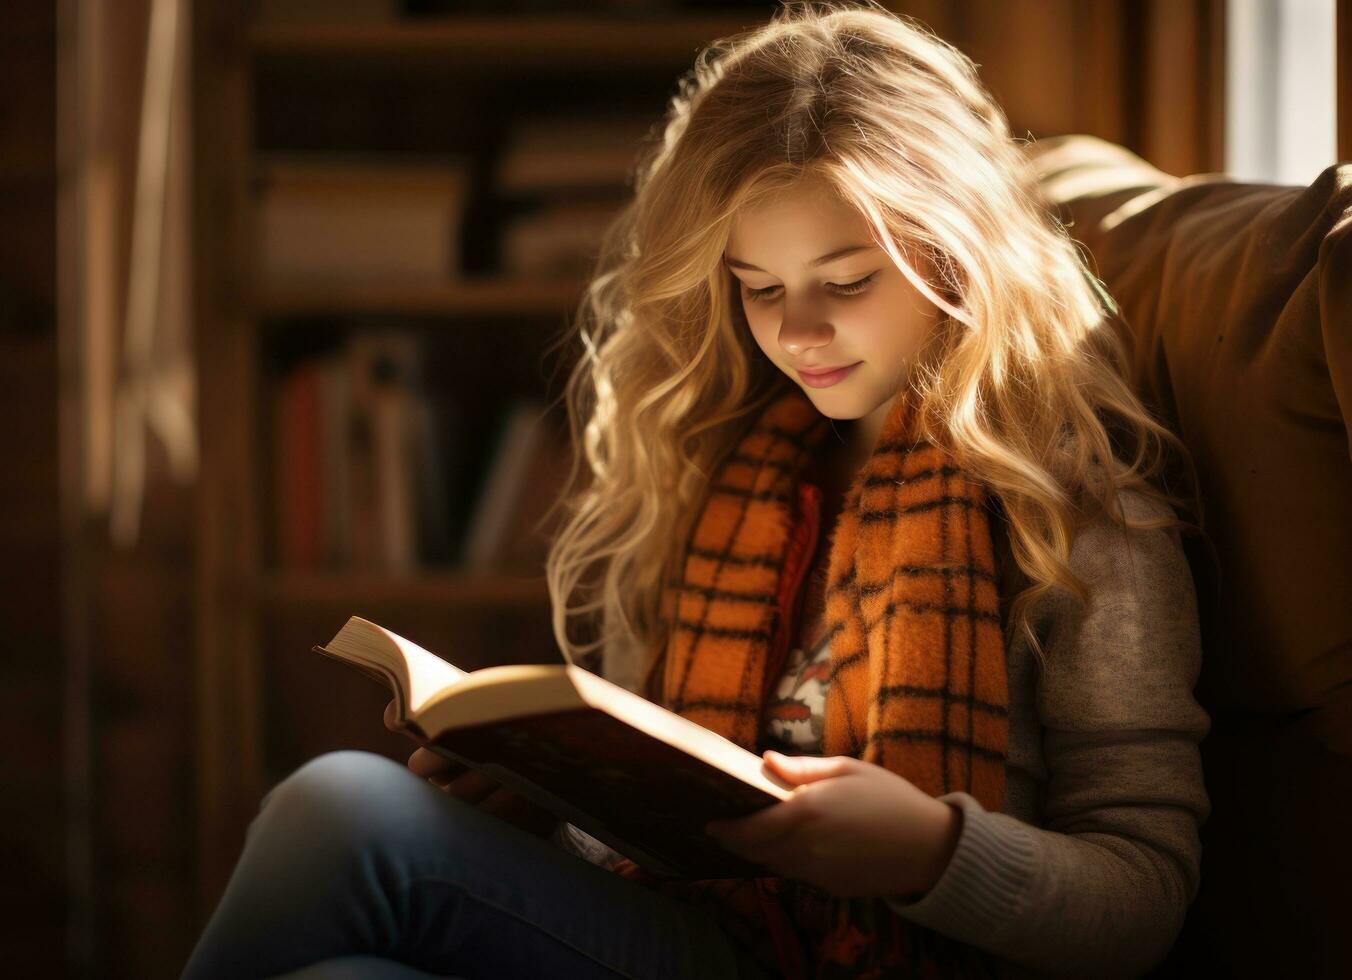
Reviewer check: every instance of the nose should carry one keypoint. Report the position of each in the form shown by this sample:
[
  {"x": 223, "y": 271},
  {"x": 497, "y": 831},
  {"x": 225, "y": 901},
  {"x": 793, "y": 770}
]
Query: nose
[{"x": 803, "y": 328}]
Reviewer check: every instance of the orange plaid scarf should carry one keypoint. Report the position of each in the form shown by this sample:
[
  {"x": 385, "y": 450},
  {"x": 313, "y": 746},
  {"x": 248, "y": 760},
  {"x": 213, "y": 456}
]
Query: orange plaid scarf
[{"x": 918, "y": 679}]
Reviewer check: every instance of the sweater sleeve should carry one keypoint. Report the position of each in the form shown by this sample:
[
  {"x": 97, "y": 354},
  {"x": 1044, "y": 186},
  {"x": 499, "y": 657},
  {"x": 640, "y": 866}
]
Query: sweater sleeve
[{"x": 1102, "y": 887}]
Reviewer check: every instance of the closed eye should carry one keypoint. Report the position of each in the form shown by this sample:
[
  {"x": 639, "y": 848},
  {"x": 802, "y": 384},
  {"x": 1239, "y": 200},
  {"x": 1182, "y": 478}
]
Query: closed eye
[{"x": 843, "y": 288}]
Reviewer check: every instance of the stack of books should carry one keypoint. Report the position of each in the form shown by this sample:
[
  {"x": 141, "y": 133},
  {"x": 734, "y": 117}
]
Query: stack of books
[
  {"x": 376, "y": 470},
  {"x": 566, "y": 180},
  {"x": 329, "y": 218}
]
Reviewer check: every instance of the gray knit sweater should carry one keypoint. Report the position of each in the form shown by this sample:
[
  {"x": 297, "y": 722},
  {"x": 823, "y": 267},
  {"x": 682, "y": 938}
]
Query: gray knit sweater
[{"x": 1093, "y": 860}]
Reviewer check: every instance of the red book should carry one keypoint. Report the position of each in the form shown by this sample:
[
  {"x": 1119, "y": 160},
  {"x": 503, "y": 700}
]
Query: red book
[{"x": 299, "y": 469}]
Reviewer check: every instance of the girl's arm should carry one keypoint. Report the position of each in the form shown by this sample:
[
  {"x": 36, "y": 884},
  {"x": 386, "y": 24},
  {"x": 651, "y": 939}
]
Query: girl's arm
[{"x": 1101, "y": 889}]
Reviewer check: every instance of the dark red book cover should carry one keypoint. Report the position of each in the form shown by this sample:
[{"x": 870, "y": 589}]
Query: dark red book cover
[
  {"x": 645, "y": 798},
  {"x": 299, "y": 463}
]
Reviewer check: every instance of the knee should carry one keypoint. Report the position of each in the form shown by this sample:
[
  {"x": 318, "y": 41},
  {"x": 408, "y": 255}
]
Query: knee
[{"x": 341, "y": 791}]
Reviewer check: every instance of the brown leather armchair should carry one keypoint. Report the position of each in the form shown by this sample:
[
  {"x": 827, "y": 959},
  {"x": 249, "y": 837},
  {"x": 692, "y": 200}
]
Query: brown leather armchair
[{"x": 1237, "y": 299}]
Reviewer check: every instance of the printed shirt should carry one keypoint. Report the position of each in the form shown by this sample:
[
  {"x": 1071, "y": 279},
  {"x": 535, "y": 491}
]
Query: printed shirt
[
  {"x": 794, "y": 712},
  {"x": 797, "y": 711}
]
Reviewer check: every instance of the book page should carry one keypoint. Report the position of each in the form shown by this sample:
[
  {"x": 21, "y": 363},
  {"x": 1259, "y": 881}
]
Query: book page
[
  {"x": 418, "y": 673},
  {"x": 507, "y": 692},
  {"x": 427, "y": 673}
]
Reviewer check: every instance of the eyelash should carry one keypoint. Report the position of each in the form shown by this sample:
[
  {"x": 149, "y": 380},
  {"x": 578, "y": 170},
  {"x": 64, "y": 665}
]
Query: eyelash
[{"x": 845, "y": 289}]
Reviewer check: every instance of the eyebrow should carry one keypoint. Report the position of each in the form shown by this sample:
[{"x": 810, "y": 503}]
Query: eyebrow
[{"x": 829, "y": 256}]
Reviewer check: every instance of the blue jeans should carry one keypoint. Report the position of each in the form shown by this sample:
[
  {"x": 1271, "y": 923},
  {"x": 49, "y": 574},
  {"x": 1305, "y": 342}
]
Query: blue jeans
[{"x": 357, "y": 867}]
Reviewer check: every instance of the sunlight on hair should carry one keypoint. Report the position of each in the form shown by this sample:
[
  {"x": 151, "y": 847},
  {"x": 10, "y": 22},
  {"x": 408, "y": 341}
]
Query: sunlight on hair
[{"x": 1024, "y": 379}]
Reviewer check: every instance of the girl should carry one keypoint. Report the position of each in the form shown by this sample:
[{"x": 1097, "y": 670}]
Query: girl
[{"x": 864, "y": 490}]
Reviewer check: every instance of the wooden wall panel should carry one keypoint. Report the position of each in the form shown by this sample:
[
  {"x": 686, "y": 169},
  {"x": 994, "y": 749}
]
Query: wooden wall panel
[
  {"x": 1181, "y": 95},
  {"x": 1148, "y": 74},
  {"x": 1026, "y": 51},
  {"x": 127, "y": 612},
  {"x": 34, "y": 892},
  {"x": 229, "y": 754}
]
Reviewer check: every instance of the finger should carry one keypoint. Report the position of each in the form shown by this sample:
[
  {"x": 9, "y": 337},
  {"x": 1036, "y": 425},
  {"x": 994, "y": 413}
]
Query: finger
[
  {"x": 472, "y": 786},
  {"x": 802, "y": 769},
  {"x": 428, "y": 764},
  {"x": 763, "y": 828},
  {"x": 778, "y": 854},
  {"x": 391, "y": 718}
]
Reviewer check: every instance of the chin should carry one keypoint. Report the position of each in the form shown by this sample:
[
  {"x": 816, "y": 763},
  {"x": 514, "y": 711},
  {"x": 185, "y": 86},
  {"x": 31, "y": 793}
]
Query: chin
[{"x": 840, "y": 409}]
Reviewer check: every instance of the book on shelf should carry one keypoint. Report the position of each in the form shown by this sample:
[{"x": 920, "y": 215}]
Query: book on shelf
[
  {"x": 434, "y": 431},
  {"x": 524, "y": 462},
  {"x": 535, "y": 521},
  {"x": 633, "y": 775},
  {"x": 361, "y": 455},
  {"x": 300, "y": 496},
  {"x": 588, "y": 154},
  {"x": 375, "y": 470},
  {"x": 556, "y": 239},
  {"x": 377, "y": 217},
  {"x": 385, "y": 386}
]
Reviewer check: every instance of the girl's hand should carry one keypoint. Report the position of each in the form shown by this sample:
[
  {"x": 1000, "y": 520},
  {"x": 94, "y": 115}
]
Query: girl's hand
[
  {"x": 851, "y": 827},
  {"x": 473, "y": 786}
]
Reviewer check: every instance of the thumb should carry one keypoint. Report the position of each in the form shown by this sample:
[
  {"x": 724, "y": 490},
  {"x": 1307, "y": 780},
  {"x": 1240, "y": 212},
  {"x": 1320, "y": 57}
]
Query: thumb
[{"x": 807, "y": 768}]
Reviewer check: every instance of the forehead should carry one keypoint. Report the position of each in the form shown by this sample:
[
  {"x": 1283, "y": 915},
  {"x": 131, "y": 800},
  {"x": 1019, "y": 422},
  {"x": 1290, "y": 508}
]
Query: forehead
[{"x": 802, "y": 217}]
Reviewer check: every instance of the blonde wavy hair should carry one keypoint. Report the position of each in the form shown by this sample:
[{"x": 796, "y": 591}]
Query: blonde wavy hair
[{"x": 1023, "y": 379}]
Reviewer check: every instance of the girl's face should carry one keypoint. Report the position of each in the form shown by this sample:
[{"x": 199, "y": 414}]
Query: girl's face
[{"x": 819, "y": 293}]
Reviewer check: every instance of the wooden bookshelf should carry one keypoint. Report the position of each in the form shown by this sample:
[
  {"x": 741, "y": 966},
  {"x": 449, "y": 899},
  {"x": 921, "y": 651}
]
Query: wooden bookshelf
[
  {"x": 421, "y": 87},
  {"x": 470, "y": 297},
  {"x": 512, "y": 44},
  {"x": 438, "y": 589}
]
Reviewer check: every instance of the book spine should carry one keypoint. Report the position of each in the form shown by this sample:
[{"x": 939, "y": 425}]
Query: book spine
[
  {"x": 335, "y": 399},
  {"x": 394, "y": 490},
  {"x": 301, "y": 530},
  {"x": 503, "y": 485}
]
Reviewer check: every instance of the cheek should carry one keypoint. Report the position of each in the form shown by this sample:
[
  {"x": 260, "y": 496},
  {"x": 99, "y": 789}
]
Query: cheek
[
  {"x": 763, "y": 326},
  {"x": 885, "y": 331},
  {"x": 867, "y": 331}
]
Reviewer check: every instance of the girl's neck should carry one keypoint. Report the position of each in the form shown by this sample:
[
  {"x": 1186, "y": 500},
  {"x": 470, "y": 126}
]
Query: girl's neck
[
  {"x": 840, "y": 458},
  {"x": 833, "y": 473}
]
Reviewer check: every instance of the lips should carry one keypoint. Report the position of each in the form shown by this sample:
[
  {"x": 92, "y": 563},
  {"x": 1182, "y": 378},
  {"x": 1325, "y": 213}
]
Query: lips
[{"x": 825, "y": 379}]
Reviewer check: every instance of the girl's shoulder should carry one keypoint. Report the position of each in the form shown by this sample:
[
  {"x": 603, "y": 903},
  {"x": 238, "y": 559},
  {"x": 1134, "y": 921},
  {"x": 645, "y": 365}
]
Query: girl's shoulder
[
  {"x": 1139, "y": 579},
  {"x": 1106, "y": 556},
  {"x": 1144, "y": 541},
  {"x": 1138, "y": 506}
]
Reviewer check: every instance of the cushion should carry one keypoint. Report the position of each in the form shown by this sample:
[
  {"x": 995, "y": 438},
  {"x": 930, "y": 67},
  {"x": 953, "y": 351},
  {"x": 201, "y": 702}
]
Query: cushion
[{"x": 1237, "y": 300}]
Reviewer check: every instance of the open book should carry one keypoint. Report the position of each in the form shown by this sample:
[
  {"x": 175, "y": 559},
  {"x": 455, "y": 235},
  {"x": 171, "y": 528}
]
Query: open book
[{"x": 632, "y": 774}]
